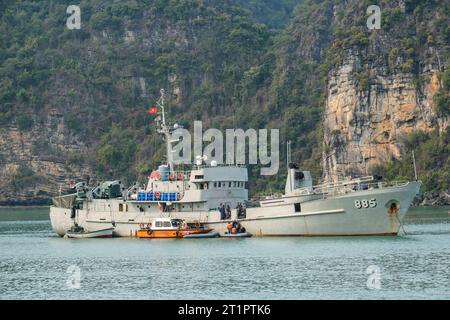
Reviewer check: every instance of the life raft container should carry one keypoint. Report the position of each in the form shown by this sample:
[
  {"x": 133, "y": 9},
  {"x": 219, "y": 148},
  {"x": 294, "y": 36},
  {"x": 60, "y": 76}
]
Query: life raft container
[{"x": 155, "y": 175}]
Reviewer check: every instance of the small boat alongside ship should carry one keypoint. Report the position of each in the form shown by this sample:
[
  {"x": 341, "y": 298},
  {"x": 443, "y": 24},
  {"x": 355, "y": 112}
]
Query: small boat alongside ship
[
  {"x": 360, "y": 206},
  {"x": 237, "y": 235},
  {"x": 236, "y": 230},
  {"x": 173, "y": 228},
  {"x": 79, "y": 232},
  {"x": 211, "y": 234}
]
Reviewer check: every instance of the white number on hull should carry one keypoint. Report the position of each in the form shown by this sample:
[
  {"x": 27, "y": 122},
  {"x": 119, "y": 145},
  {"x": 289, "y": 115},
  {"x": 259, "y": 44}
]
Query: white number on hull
[{"x": 364, "y": 204}]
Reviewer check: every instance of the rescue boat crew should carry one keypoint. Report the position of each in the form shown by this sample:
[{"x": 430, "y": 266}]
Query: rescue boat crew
[{"x": 229, "y": 227}]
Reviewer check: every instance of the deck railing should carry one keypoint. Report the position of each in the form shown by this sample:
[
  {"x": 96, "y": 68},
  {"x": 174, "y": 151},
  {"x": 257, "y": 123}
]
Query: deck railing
[
  {"x": 343, "y": 187},
  {"x": 349, "y": 187}
]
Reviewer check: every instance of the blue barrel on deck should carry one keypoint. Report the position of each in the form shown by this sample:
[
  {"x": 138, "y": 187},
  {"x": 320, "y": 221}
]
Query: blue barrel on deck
[
  {"x": 164, "y": 171},
  {"x": 141, "y": 196}
]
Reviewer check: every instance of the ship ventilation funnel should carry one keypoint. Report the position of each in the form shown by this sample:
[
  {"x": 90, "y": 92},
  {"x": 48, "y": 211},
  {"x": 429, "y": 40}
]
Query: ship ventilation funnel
[{"x": 297, "y": 179}]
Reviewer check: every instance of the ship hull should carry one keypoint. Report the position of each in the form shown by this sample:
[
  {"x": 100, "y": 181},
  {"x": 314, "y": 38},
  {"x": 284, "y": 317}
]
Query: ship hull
[{"x": 362, "y": 213}]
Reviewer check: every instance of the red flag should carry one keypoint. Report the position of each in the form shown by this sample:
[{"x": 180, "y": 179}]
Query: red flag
[{"x": 152, "y": 110}]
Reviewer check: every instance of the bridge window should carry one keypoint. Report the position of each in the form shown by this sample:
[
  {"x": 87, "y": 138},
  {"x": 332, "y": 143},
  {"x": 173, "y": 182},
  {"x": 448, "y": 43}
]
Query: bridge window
[
  {"x": 121, "y": 207},
  {"x": 297, "y": 207},
  {"x": 200, "y": 176}
]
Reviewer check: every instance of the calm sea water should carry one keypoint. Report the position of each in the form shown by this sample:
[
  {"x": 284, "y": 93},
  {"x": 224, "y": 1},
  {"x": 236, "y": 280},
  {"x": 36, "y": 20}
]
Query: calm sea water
[{"x": 36, "y": 264}]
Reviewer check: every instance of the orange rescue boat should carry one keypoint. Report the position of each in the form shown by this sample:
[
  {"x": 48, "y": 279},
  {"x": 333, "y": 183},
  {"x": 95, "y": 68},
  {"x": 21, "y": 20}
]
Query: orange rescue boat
[{"x": 170, "y": 228}]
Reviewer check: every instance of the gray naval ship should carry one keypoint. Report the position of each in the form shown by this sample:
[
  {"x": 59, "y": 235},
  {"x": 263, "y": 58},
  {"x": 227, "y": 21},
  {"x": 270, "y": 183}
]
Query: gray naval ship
[{"x": 363, "y": 206}]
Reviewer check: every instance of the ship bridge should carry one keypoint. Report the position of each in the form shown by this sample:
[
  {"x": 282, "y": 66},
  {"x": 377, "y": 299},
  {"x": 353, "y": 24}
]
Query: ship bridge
[{"x": 203, "y": 188}]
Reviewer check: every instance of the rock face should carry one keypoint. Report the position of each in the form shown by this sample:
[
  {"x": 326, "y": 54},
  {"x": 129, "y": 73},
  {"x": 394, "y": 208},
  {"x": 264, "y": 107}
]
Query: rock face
[
  {"x": 374, "y": 100},
  {"x": 86, "y": 91},
  {"x": 37, "y": 162},
  {"x": 433, "y": 198},
  {"x": 365, "y": 128}
]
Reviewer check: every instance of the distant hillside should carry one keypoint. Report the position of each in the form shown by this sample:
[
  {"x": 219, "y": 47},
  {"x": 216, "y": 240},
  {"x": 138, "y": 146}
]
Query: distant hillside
[{"x": 353, "y": 101}]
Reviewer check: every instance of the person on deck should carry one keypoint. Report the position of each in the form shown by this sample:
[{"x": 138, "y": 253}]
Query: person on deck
[
  {"x": 222, "y": 212},
  {"x": 228, "y": 212},
  {"x": 243, "y": 212}
]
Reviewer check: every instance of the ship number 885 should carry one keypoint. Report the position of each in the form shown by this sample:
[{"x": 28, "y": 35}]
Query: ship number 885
[{"x": 360, "y": 204}]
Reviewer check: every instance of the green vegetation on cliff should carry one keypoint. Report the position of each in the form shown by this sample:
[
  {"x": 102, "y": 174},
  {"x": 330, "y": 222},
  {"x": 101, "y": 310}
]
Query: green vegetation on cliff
[
  {"x": 232, "y": 64},
  {"x": 432, "y": 154}
]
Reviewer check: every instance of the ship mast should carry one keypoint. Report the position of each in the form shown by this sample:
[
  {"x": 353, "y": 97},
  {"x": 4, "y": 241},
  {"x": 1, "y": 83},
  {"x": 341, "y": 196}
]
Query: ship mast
[{"x": 164, "y": 129}]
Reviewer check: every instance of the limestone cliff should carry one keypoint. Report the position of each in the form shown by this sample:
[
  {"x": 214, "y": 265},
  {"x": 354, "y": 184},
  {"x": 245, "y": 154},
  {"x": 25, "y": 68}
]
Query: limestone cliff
[
  {"x": 36, "y": 162},
  {"x": 380, "y": 92},
  {"x": 365, "y": 128}
]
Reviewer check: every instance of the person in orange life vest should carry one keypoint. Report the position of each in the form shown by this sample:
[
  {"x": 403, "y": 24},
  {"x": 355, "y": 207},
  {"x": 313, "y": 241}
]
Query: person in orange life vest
[{"x": 229, "y": 227}]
